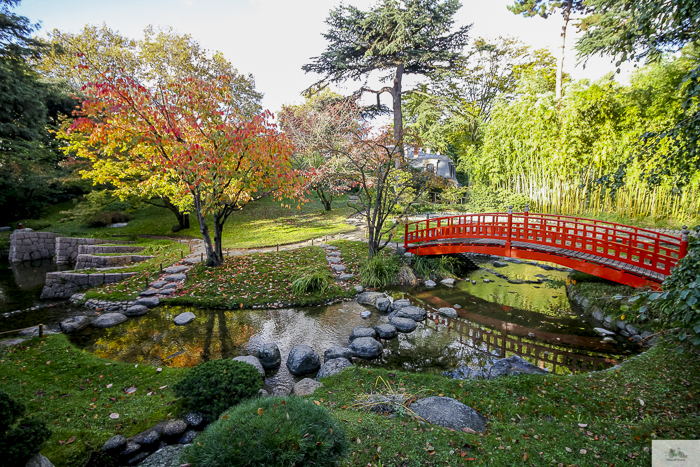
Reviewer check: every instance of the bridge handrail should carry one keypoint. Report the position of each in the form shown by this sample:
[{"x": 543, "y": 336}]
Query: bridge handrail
[{"x": 636, "y": 246}]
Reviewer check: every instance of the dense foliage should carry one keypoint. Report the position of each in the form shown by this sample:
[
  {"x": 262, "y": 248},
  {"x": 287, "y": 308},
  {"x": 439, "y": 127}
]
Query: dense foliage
[
  {"x": 380, "y": 270},
  {"x": 273, "y": 432},
  {"x": 20, "y": 437},
  {"x": 214, "y": 386}
]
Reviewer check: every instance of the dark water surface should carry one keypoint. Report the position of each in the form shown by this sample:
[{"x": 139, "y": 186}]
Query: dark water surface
[{"x": 496, "y": 319}]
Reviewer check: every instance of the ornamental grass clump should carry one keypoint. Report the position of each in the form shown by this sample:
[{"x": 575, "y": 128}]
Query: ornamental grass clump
[
  {"x": 214, "y": 386},
  {"x": 309, "y": 282},
  {"x": 380, "y": 270},
  {"x": 20, "y": 437},
  {"x": 273, "y": 431}
]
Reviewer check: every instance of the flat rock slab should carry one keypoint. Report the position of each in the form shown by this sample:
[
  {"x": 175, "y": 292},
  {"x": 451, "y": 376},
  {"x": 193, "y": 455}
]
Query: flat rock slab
[
  {"x": 184, "y": 318},
  {"x": 302, "y": 360},
  {"x": 251, "y": 360},
  {"x": 370, "y": 298},
  {"x": 366, "y": 347},
  {"x": 175, "y": 269},
  {"x": 514, "y": 365},
  {"x": 344, "y": 277},
  {"x": 159, "y": 284},
  {"x": 9, "y": 342},
  {"x": 167, "y": 291},
  {"x": 362, "y": 331},
  {"x": 337, "y": 352},
  {"x": 306, "y": 387},
  {"x": 148, "y": 302},
  {"x": 333, "y": 259},
  {"x": 329, "y": 247},
  {"x": 192, "y": 260},
  {"x": 412, "y": 312},
  {"x": 386, "y": 331},
  {"x": 398, "y": 304},
  {"x": 447, "y": 311},
  {"x": 149, "y": 293},
  {"x": 170, "y": 285},
  {"x": 174, "y": 277},
  {"x": 338, "y": 267},
  {"x": 74, "y": 324},
  {"x": 449, "y": 413},
  {"x": 403, "y": 324},
  {"x": 136, "y": 310},
  {"x": 109, "y": 320},
  {"x": 331, "y": 367},
  {"x": 174, "y": 428},
  {"x": 358, "y": 288},
  {"x": 332, "y": 253}
]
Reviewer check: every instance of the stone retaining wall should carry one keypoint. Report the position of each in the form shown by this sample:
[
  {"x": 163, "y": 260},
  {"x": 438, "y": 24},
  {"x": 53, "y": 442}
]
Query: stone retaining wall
[
  {"x": 26, "y": 245},
  {"x": 67, "y": 248},
  {"x": 65, "y": 284},
  {"x": 91, "y": 261},
  {"x": 97, "y": 249}
]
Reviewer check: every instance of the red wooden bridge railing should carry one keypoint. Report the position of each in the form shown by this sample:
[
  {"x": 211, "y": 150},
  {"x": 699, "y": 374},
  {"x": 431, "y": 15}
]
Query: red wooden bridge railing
[{"x": 622, "y": 253}]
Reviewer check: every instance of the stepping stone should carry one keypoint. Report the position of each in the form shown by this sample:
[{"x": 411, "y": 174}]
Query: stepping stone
[
  {"x": 366, "y": 347},
  {"x": 333, "y": 259},
  {"x": 338, "y": 267},
  {"x": 332, "y": 253},
  {"x": 337, "y": 352},
  {"x": 170, "y": 285},
  {"x": 74, "y": 324},
  {"x": 176, "y": 269},
  {"x": 449, "y": 413},
  {"x": 447, "y": 311},
  {"x": 330, "y": 247},
  {"x": 159, "y": 284},
  {"x": 184, "y": 318},
  {"x": 430, "y": 283},
  {"x": 9, "y": 342},
  {"x": 149, "y": 302},
  {"x": 136, "y": 310},
  {"x": 403, "y": 324},
  {"x": 192, "y": 260},
  {"x": 398, "y": 304},
  {"x": 109, "y": 320},
  {"x": 386, "y": 331},
  {"x": 174, "y": 277},
  {"x": 362, "y": 331},
  {"x": 412, "y": 312},
  {"x": 269, "y": 355},
  {"x": 344, "y": 277},
  {"x": 167, "y": 291},
  {"x": 149, "y": 292},
  {"x": 358, "y": 288},
  {"x": 382, "y": 304}
]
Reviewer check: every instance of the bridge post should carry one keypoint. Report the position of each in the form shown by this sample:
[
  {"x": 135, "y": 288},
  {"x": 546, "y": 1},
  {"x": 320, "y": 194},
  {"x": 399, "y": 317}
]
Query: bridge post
[
  {"x": 527, "y": 228},
  {"x": 510, "y": 228},
  {"x": 405, "y": 238},
  {"x": 684, "y": 243}
]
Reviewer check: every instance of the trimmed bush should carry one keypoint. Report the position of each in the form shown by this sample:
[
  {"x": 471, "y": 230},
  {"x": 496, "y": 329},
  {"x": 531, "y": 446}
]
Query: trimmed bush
[
  {"x": 273, "y": 432},
  {"x": 317, "y": 281},
  {"x": 380, "y": 270},
  {"x": 22, "y": 440},
  {"x": 214, "y": 386}
]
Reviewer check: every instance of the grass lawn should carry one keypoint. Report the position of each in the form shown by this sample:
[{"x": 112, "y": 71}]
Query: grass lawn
[
  {"x": 75, "y": 393},
  {"x": 599, "y": 419},
  {"x": 259, "y": 279}
]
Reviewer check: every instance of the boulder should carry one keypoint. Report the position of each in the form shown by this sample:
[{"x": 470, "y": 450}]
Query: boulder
[
  {"x": 603, "y": 332},
  {"x": 109, "y": 320},
  {"x": 499, "y": 264},
  {"x": 115, "y": 444},
  {"x": 269, "y": 355},
  {"x": 403, "y": 324},
  {"x": 39, "y": 461},
  {"x": 366, "y": 347},
  {"x": 251, "y": 360},
  {"x": 370, "y": 298},
  {"x": 131, "y": 449},
  {"x": 447, "y": 311},
  {"x": 430, "y": 283},
  {"x": 337, "y": 352},
  {"x": 412, "y": 312},
  {"x": 75, "y": 324},
  {"x": 302, "y": 360},
  {"x": 149, "y": 438},
  {"x": 174, "y": 428},
  {"x": 306, "y": 387},
  {"x": 166, "y": 456},
  {"x": 195, "y": 420},
  {"x": 136, "y": 310},
  {"x": 449, "y": 413},
  {"x": 382, "y": 304},
  {"x": 184, "y": 318},
  {"x": 386, "y": 331},
  {"x": 188, "y": 437},
  {"x": 34, "y": 332},
  {"x": 148, "y": 302},
  {"x": 448, "y": 282},
  {"x": 398, "y": 304},
  {"x": 514, "y": 365},
  {"x": 632, "y": 329},
  {"x": 361, "y": 331},
  {"x": 331, "y": 367},
  {"x": 263, "y": 393},
  {"x": 359, "y": 289}
]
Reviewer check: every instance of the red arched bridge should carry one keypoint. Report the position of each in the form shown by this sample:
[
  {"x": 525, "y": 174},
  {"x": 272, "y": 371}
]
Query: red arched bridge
[{"x": 620, "y": 253}]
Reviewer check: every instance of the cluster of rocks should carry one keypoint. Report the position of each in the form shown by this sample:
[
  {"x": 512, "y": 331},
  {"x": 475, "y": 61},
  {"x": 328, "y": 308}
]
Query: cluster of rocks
[
  {"x": 134, "y": 450},
  {"x": 335, "y": 262},
  {"x": 31, "y": 308},
  {"x": 610, "y": 326},
  {"x": 118, "y": 312}
]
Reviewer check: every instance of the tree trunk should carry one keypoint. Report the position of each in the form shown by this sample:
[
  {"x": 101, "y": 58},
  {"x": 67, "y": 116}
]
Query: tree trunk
[
  {"x": 398, "y": 116},
  {"x": 183, "y": 220},
  {"x": 212, "y": 258},
  {"x": 560, "y": 65},
  {"x": 219, "y": 221},
  {"x": 325, "y": 200}
]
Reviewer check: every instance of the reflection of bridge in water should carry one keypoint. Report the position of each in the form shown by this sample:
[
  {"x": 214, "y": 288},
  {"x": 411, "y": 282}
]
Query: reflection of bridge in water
[{"x": 548, "y": 350}]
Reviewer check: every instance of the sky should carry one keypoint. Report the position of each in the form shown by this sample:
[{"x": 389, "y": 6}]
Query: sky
[{"x": 272, "y": 39}]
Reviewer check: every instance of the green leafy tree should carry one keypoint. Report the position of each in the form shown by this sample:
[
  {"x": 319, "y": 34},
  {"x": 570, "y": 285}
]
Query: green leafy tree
[
  {"x": 395, "y": 38},
  {"x": 545, "y": 8}
]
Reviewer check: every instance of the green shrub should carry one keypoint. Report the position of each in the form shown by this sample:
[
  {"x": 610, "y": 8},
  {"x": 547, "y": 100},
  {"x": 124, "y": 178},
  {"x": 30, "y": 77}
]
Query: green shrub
[
  {"x": 20, "y": 439},
  {"x": 103, "y": 219},
  {"x": 489, "y": 199},
  {"x": 272, "y": 432},
  {"x": 438, "y": 267},
  {"x": 214, "y": 386},
  {"x": 118, "y": 205},
  {"x": 380, "y": 271},
  {"x": 316, "y": 281}
]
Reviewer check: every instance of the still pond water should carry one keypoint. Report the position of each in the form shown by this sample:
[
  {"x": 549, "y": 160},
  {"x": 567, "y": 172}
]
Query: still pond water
[{"x": 496, "y": 318}]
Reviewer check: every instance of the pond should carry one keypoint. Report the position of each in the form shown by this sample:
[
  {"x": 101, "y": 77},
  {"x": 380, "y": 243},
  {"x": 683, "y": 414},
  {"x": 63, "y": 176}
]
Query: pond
[{"x": 497, "y": 318}]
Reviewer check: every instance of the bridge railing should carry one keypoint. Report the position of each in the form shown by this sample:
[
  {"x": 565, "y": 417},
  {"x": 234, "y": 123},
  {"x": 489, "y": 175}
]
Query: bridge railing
[{"x": 643, "y": 248}]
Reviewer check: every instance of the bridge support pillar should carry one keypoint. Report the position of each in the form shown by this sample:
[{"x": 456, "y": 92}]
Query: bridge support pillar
[{"x": 510, "y": 228}]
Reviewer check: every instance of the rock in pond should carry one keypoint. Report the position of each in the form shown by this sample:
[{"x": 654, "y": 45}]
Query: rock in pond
[
  {"x": 603, "y": 332},
  {"x": 136, "y": 310},
  {"x": 448, "y": 282},
  {"x": 302, "y": 360},
  {"x": 370, "y": 298},
  {"x": 366, "y": 347},
  {"x": 74, "y": 324},
  {"x": 362, "y": 331},
  {"x": 109, "y": 319},
  {"x": 447, "y": 311},
  {"x": 499, "y": 264},
  {"x": 398, "y": 304},
  {"x": 412, "y": 312},
  {"x": 403, "y": 324},
  {"x": 251, "y": 360},
  {"x": 148, "y": 302},
  {"x": 430, "y": 283},
  {"x": 386, "y": 331},
  {"x": 337, "y": 352},
  {"x": 269, "y": 355},
  {"x": 331, "y": 367},
  {"x": 382, "y": 304},
  {"x": 450, "y": 413},
  {"x": 306, "y": 387},
  {"x": 514, "y": 365},
  {"x": 184, "y": 318},
  {"x": 366, "y": 314}
]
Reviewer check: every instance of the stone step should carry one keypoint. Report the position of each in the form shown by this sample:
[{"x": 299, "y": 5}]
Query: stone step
[
  {"x": 85, "y": 261},
  {"x": 97, "y": 249}
]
